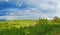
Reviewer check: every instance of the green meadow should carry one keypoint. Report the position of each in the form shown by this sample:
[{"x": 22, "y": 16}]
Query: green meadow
[
  {"x": 30, "y": 27},
  {"x": 16, "y": 23}
]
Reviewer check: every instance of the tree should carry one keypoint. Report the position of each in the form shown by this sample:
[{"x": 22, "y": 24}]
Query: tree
[{"x": 56, "y": 19}]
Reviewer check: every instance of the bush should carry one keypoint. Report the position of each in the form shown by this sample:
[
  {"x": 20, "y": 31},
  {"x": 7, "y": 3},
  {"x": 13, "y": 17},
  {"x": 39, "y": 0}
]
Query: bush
[{"x": 13, "y": 31}]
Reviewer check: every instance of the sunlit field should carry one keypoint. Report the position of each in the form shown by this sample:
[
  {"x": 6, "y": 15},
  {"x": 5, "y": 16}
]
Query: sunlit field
[
  {"x": 30, "y": 27},
  {"x": 16, "y": 23}
]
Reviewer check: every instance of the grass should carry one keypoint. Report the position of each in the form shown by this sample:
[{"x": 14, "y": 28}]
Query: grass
[
  {"x": 16, "y": 23},
  {"x": 28, "y": 27}
]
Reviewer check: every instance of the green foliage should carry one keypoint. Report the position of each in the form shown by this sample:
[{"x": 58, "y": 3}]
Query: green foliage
[
  {"x": 13, "y": 31},
  {"x": 42, "y": 21},
  {"x": 42, "y": 27},
  {"x": 56, "y": 19}
]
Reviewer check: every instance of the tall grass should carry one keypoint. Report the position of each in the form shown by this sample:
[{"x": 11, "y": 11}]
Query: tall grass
[{"x": 42, "y": 27}]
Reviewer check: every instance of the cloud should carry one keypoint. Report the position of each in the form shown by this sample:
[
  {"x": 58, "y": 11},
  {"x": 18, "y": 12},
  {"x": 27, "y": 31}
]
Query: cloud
[
  {"x": 29, "y": 9},
  {"x": 51, "y": 7},
  {"x": 46, "y": 6},
  {"x": 24, "y": 14}
]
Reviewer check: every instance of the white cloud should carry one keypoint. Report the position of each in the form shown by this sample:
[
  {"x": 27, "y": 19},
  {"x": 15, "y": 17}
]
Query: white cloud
[
  {"x": 26, "y": 14},
  {"x": 57, "y": 8},
  {"x": 38, "y": 5},
  {"x": 46, "y": 6}
]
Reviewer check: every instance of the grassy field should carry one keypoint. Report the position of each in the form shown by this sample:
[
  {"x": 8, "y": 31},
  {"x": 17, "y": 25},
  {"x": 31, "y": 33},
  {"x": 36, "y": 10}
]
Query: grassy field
[
  {"x": 29, "y": 27},
  {"x": 16, "y": 23}
]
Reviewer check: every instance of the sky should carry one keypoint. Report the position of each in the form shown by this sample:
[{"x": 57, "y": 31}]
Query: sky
[{"x": 29, "y": 9}]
